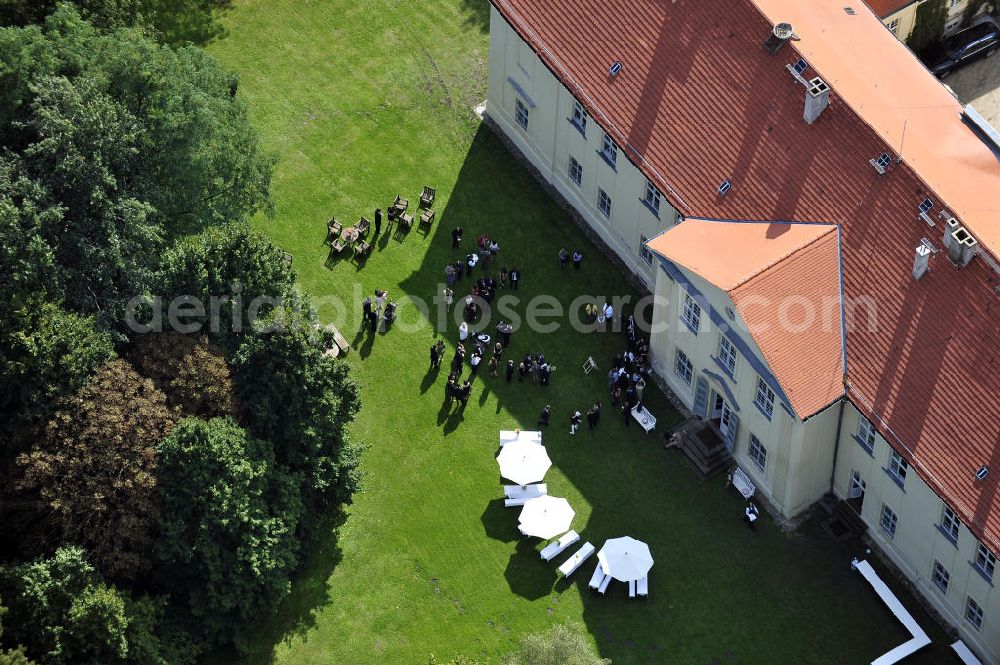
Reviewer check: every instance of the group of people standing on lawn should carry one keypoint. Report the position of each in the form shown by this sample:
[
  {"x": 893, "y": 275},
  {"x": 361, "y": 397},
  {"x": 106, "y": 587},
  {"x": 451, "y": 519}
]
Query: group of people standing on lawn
[{"x": 380, "y": 308}]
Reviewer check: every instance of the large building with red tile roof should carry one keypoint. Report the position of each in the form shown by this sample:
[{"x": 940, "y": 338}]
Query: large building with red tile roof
[{"x": 819, "y": 219}]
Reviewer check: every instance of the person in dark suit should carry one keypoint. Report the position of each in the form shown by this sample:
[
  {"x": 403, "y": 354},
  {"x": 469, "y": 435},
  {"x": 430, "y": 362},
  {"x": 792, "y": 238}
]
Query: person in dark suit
[
  {"x": 515, "y": 278},
  {"x": 378, "y": 221},
  {"x": 456, "y": 236},
  {"x": 543, "y": 419}
]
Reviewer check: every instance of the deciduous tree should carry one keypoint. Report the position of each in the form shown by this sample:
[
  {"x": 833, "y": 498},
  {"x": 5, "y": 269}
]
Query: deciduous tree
[
  {"x": 561, "y": 645},
  {"x": 228, "y": 528},
  {"x": 65, "y": 613},
  {"x": 191, "y": 372},
  {"x": 300, "y": 400},
  {"x": 93, "y": 469}
]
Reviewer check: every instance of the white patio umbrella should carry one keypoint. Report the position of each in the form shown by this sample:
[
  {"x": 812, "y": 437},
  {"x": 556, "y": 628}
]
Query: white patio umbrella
[
  {"x": 625, "y": 559},
  {"x": 546, "y": 517},
  {"x": 523, "y": 462}
]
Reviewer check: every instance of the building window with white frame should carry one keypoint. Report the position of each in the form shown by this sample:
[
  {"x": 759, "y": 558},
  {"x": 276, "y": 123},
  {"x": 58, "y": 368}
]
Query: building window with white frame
[
  {"x": 691, "y": 314},
  {"x": 952, "y": 24},
  {"x": 604, "y": 203},
  {"x": 651, "y": 197},
  {"x": 950, "y": 524},
  {"x": 683, "y": 367},
  {"x": 644, "y": 253},
  {"x": 764, "y": 398},
  {"x": 973, "y": 613},
  {"x": 521, "y": 114},
  {"x": 887, "y": 521},
  {"x": 727, "y": 355},
  {"x": 897, "y": 468},
  {"x": 757, "y": 453},
  {"x": 580, "y": 118},
  {"x": 986, "y": 562},
  {"x": 940, "y": 576},
  {"x": 866, "y": 435},
  {"x": 893, "y": 26},
  {"x": 609, "y": 151},
  {"x": 575, "y": 171}
]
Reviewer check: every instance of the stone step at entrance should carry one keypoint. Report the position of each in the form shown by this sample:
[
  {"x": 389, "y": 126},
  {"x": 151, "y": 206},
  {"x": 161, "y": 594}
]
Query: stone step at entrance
[{"x": 701, "y": 447}]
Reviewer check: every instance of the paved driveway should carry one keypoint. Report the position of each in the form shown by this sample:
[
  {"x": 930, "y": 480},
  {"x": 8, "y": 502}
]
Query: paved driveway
[{"x": 979, "y": 83}]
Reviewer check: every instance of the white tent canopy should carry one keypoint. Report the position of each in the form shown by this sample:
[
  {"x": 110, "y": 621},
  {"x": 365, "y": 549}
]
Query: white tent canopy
[
  {"x": 524, "y": 462},
  {"x": 625, "y": 559},
  {"x": 546, "y": 517}
]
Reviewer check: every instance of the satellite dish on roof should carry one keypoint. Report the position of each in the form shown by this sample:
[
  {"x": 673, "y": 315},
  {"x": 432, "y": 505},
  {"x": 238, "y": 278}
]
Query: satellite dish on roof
[
  {"x": 780, "y": 34},
  {"x": 783, "y": 31}
]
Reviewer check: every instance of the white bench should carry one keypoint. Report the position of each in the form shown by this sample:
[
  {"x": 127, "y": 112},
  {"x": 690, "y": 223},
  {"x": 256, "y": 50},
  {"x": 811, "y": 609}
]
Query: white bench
[
  {"x": 646, "y": 420},
  {"x": 597, "y": 578},
  {"x": 525, "y": 491},
  {"x": 918, "y": 638},
  {"x": 965, "y": 654},
  {"x": 571, "y": 564},
  {"x": 604, "y": 584},
  {"x": 742, "y": 482},
  {"x": 556, "y": 547},
  {"x": 642, "y": 586},
  {"x": 510, "y": 436}
]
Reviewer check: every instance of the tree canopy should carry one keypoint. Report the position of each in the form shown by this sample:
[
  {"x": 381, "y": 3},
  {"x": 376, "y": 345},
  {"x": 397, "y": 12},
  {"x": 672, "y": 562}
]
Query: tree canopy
[
  {"x": 228, "y": 527},
  {"x": 93, "y": 469},
  {"x": 561, "y": 645},
  {"x": 121, "y": 144},
  {"x": 65, "y": 613},
  {"x": 191, "y": 372},
  {"x": 301, "y": 401}
]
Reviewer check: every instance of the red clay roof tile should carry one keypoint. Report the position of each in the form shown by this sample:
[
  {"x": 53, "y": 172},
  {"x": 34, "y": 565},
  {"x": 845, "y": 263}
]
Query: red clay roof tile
[
  {"x": 785, "y": 282},
  {"x": 699, "y": 101}
]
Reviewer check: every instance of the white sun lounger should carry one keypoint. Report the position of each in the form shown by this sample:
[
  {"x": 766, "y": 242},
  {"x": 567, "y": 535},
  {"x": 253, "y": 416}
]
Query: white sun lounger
[
  {"x": 597, "y": 578},
  {"x": 556, "y": 547},
  {"x": 571, "y": 564},
  {"x": 604, "y": 584},
  {"x": 525, "y": 491},
  {"x": 631, "y": 588},
  {"x": 514, "y": 503},
  {"x": 642, "y": 586}
]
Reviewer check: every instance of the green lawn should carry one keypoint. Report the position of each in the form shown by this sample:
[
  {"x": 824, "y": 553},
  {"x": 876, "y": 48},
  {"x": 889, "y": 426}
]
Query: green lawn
[{"x": 364, "y": 100}]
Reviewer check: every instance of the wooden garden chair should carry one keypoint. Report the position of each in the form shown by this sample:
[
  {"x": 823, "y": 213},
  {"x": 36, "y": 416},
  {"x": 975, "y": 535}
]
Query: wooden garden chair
[
  {"x": 406, "y": 219},
  {"x": 333, "y": 228},
  {"x": 426, "y": 217},
  {"x": 427, "y": 197},
  {"x": 337, "y": 246},
  {"x": 363, "y": 226},
  {"x": 400, "y": 205},
  {"x": 362, "y": 249}
]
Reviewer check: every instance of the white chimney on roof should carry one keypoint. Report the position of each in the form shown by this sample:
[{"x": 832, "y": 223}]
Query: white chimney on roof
[
  {"x": 817, "y": 99},
  {"x": 920, "y": 260},
  {"x": 963, "y": 246}
]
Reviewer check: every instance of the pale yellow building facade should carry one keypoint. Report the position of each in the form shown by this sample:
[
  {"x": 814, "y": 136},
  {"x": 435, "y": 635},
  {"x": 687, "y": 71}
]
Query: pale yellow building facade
[{"x": 793, "y": 461}]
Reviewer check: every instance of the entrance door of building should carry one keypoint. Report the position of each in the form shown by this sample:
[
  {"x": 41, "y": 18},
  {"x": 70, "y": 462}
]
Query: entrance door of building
[
  {"x": 856, "y": 492},
  {"x": 727, "y": 425}
]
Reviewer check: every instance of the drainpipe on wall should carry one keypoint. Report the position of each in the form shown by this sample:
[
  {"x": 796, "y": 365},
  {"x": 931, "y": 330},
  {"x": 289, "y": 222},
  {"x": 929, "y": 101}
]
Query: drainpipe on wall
[{"x": 836, "y": 442}]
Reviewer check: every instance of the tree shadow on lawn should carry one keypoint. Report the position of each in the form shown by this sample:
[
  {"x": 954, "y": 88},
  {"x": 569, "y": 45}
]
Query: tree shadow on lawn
[
  {"x": 497, "y": 523},
  {"x": 478, "y": 13},
  {"x": 526, "y": 574}
]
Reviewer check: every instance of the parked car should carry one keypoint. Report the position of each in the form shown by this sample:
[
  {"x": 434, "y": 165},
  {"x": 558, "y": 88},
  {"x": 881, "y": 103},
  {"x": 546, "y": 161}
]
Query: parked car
[{"x": 961, "y": 48}]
